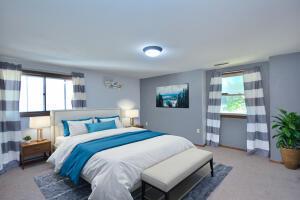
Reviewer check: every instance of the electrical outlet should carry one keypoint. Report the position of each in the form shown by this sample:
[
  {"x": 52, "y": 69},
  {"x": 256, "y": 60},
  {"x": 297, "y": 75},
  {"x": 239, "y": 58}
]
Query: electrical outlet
[
  {"x": 146, "y": 124},
  {"x": 198, "y": 130}
]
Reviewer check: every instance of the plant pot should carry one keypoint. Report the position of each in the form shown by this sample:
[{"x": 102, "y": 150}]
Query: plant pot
[
  {"x": 290, "y": 158},
  {"x": 27, "y": 141}
]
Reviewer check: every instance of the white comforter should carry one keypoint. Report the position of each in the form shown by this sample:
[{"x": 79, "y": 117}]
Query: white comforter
[{"x": 113, "y": 172}]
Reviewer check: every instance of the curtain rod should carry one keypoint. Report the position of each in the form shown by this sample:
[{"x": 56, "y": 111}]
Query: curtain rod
[
  {"x": 239, "y": 71},
  {"x": 43, "y": 73}
]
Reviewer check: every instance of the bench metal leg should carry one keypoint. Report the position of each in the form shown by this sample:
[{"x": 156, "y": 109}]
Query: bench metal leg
[
  {"x": 167, "y": 196},
  {"x": 143, "y": 190},
  {"x": 211, "y": 162}
]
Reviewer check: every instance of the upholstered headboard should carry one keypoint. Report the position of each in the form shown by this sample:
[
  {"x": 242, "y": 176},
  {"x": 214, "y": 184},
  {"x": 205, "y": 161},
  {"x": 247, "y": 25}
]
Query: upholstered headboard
[{"x": 58, "y": 115}]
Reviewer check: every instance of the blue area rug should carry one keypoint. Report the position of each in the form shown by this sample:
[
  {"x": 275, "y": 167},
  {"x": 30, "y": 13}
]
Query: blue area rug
[{"x": 55, "y": 187}]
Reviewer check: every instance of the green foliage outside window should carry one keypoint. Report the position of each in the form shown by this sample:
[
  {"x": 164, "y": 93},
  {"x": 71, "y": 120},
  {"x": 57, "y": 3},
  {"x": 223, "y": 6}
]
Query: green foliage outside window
[{"x": 233, "y": 104}]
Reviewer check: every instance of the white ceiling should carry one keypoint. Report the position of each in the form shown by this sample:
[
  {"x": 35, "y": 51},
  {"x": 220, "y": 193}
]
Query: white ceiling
[{"x": 109, "y": 35}]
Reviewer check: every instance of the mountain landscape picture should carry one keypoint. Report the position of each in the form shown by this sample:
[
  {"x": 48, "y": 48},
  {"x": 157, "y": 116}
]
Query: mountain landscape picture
[{"x": 173, "y": 96}]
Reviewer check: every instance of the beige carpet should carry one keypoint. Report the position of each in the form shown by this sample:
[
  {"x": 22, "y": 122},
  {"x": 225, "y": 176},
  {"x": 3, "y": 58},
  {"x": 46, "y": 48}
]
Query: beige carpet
[{"x": 252, "y": 178}]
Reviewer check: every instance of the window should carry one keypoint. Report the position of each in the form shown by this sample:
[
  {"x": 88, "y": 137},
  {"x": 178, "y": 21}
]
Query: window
[
  {"x": 233, "y": 98},
  {"x": 31, "y": 96},
  {"x": 42, "y": 92}
]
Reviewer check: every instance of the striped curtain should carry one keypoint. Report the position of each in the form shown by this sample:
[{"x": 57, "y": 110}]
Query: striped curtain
[
  {"x": 257, "y": 129},
  {"x": 79, "y": 96},
  {"x": 213, "y": 122},
  {"x": 10, "y": 125}
]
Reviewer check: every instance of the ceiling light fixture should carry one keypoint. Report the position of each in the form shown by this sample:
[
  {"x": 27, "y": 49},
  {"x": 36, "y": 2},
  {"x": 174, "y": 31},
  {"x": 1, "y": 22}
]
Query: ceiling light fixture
[{"x": 152, "y": 51}]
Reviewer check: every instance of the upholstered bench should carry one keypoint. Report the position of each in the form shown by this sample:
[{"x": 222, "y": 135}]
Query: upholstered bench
[{"x": 165, "y": 175}]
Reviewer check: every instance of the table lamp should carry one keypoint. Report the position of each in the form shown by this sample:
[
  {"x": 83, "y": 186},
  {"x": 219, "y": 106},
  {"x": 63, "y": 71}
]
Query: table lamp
[
  {"x": 132, "y": 114},
  {"x": 39, "y": 123}
]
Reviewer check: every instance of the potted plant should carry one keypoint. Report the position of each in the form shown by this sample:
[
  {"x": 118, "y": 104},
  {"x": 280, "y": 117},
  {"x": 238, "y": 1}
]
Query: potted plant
[
  {"x": 287, "y": 125},
  {"x": 27, "y": 139}
]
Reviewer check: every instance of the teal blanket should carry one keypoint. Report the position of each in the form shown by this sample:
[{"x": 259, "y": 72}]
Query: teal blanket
[{"x": 83, "y": 152}]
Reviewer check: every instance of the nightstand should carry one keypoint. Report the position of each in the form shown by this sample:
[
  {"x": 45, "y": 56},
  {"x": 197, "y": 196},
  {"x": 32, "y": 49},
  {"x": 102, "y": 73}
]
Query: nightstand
[
  {"x": 138, "y": 126},
  {"x": 34, "y": 150}
]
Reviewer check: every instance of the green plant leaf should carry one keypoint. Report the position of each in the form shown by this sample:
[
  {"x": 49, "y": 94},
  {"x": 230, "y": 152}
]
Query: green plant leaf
[
  {"x": 274, "y": 136},
  {"x": 292, "y": 126},
  {"x": 275, "y": 126},
  {"x": 280, "y": 119},
  {"x": 283, "y": 111},
  {"x": 297, "y": 134},
  {"x": 287, "y": 125}
]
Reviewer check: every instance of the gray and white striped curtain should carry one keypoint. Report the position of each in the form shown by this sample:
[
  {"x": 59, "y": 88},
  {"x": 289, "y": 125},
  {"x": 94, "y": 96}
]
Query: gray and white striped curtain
[
  {"x": 79, "y": 96},
  {"x": 213, "y": 121},
  {"x": 10, "y": 125},
  {"x": 257, "y": 129}
]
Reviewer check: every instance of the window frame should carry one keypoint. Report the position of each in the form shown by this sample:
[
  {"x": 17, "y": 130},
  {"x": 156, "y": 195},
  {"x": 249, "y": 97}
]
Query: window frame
[
  {"x": 233, "y": 115},
  {"x": 44, "y": 75}
]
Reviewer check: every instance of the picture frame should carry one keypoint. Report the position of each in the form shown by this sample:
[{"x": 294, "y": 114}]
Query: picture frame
[{"x": 173, "y": 96}]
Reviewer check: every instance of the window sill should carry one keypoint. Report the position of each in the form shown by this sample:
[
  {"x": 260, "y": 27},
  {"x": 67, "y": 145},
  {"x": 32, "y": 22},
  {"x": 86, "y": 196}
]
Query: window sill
[
  {"x": 236, "y": 116},
  {"x": 34, "y": 114}
]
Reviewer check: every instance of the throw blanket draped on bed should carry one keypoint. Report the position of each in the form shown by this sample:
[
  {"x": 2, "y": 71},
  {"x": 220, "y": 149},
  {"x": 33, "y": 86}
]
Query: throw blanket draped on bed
[{"x": 83, "y": 152}]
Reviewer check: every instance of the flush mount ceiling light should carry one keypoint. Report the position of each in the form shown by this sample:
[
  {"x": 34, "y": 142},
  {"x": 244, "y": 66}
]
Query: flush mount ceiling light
[{"x": 152, "y": 51}]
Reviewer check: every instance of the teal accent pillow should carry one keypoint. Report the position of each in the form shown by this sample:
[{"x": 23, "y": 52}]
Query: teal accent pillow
[
  {"x": 100, "y": 126},
  {"x": 106, "y": 119},
  {"x": 66, "y": 125}
]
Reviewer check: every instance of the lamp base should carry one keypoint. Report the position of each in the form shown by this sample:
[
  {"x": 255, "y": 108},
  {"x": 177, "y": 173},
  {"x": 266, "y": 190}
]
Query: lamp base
[
  {"x": 131, "y": 121},
  {"x": 39, "y": 135}
]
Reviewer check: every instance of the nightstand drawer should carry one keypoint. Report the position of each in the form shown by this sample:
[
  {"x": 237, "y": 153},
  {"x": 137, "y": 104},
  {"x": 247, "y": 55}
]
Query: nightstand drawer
[{"x": 35, "y": 149}]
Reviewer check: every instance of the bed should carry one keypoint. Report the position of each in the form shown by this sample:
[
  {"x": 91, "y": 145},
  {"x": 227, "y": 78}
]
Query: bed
[{"x": 116, "y": 172}]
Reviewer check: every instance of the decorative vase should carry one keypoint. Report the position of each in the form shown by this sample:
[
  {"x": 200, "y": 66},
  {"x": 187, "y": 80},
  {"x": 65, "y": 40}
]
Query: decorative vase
[
  {"x": 27, "y": 141},
  {"x": 290, "y": 157}
]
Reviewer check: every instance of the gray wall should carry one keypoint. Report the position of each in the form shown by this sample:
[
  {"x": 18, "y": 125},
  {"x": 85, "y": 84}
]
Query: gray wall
[
  {"x": 98, "y": 96},
  {"x": 177, "y": 121},
  {"x": 281, "y": 86},
  {"x": 233, "y": 131},
  {"x": 284, "y": 88},
  {"x": 281, "y": 81}
]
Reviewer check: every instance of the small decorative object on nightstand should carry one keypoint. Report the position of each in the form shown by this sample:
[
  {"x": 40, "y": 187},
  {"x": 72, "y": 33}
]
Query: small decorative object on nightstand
[
  {"x": 39, "y": 123},
  {"x": 27, "y": 139},
  {"x": 34, "y": 150},
  {"x": 132, "y": 114}
]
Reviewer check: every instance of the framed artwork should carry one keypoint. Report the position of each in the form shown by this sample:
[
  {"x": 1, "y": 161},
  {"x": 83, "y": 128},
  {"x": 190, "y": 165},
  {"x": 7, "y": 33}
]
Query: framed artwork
[{"x": 173, "y": 96}]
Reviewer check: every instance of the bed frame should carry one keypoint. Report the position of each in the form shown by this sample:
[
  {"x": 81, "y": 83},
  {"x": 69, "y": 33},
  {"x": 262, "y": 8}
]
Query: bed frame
[{"x": 58, "y": 115}]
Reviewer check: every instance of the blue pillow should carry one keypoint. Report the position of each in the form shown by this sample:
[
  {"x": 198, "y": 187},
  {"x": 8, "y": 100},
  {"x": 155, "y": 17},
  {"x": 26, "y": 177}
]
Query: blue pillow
[
  {"x": 106, "y": 119},
  {"x": 100, "y": 126},
  {"x": 66, "y": 125}
]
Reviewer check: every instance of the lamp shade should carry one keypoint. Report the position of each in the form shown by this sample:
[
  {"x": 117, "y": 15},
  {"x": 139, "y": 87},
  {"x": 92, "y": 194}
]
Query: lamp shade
[
  {"x": 132, "y": 113},
  {"x": 39, "y": 122}
]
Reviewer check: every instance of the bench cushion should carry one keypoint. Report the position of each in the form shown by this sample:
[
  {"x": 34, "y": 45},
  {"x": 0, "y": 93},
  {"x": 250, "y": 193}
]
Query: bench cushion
[{"x": 168, "y": 173}]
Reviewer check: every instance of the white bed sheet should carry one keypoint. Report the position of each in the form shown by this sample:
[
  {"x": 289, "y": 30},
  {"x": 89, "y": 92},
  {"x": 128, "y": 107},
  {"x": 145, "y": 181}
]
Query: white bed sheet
[
  {"x": 59, "y": 140},
  {"x": 113, "y": 173}
]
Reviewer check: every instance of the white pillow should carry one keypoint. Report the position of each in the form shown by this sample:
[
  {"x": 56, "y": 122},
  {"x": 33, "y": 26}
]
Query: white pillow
[
  {"x": 78, "y": 127},
  {"x": 118, "y": 123}
]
